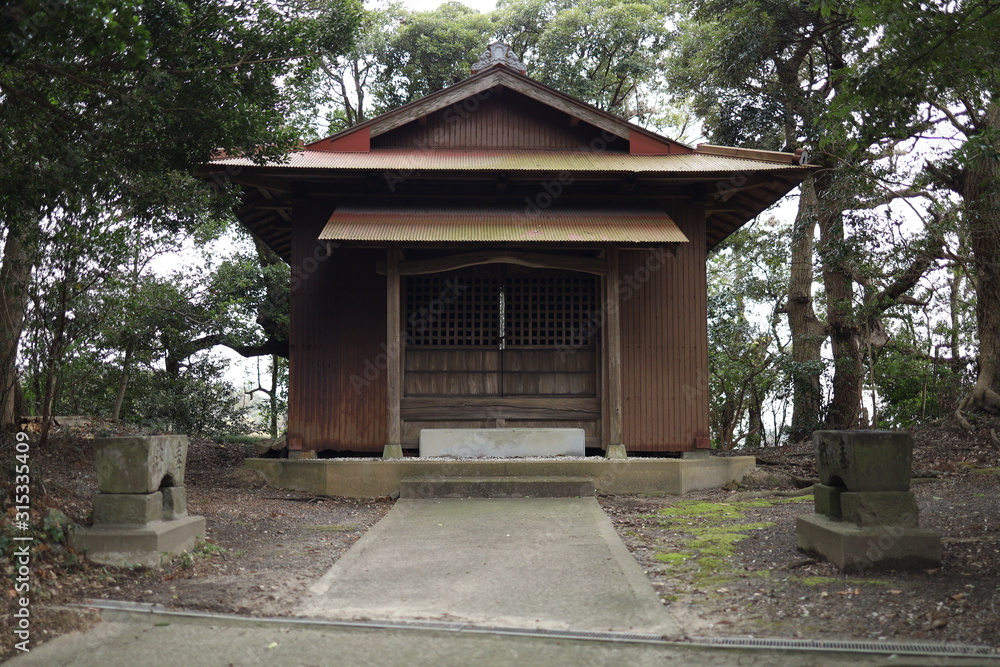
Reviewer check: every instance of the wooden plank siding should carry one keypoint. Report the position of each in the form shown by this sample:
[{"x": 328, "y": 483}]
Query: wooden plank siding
[
  {"x": 337, "y": 380},
  {"x": 498, "y": 122},
  {"x": 665, "y": 342}
]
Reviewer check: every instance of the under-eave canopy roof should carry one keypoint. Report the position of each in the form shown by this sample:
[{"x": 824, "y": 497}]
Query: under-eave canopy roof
[{"x": 500, "y": 224}]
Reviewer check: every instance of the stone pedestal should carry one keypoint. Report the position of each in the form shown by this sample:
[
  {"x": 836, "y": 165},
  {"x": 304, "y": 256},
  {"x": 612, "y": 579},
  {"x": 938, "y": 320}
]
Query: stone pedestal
[
  {"x": 866, "y": 517},
  {"x": 501, "y": 442},
  {"x": 140, "y": 511},
  {"x": 854, "y": 548}
]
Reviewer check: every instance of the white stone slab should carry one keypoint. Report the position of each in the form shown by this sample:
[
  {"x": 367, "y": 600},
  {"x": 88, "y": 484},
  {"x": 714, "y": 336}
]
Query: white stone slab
[{"x": 501, "y": 442}]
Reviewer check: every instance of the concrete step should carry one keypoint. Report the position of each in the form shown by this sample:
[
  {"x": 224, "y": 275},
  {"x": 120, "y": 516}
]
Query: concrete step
[{"x": 495, "y": 487}]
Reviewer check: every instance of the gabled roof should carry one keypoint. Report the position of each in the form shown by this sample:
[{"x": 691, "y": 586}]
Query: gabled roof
[
  {"x": 358, "y": 138},
  {"x": 734, "y": 185}
]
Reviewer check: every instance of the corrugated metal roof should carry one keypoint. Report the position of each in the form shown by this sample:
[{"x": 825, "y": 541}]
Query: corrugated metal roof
[
  {"x": 495, "y": 223},
  {"x": 457, "y": 160}
]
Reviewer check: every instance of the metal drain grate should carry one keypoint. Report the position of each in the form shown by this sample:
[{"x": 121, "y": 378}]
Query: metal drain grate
[
  {"x": 845, "y": 646},
  {"x": 912, "y": 648}
]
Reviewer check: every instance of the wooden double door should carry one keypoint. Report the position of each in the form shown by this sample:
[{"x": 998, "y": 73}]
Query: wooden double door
[{"x": 501, "y": 345}]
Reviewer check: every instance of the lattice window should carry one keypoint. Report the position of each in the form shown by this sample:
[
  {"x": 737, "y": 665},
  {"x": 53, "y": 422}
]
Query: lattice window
[
  {"x": 452, "y": 311},
  {"x": 551, "y": 311},
  {"x": 543, "y": 311}
]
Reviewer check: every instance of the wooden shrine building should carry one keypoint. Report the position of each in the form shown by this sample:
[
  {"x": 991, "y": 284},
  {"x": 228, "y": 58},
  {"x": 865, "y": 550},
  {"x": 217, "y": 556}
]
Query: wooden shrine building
[{"x": 499, "y": 254}]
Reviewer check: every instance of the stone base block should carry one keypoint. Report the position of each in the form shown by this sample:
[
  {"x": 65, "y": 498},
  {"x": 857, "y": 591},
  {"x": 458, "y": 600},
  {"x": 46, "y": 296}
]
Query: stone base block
[
  {"x": 697, "y": 454},
  {"x": 140, "y": 464},
  {"x": 859, "y": 549},
  {"x": 864, "y": 460},
  {"x": 392, "y": 452},
  {"x": 496, "y": 487},
  {"x": 827, "y": 500},
  {"x": 374, "y": 477},
  {"x": 880, "y": 508},
  {"x": 148, "y": 546},
  {"x": 501, "y": 442},
  {"x": 174, "y": 502},
  {"x": 127, "y": 509},
  {"x": 616, "y": 453}
]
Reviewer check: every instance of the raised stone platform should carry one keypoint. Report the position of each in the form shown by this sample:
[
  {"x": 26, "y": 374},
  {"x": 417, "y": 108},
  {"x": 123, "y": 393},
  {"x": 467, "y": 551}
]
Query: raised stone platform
[
  {"x": 854, "y": 548},
  {"x": 374, "y": 478},
  {"x": 147, "y": 546},
  {"x": 501, "y": 442},
  {"x": 496, "y": 487}
]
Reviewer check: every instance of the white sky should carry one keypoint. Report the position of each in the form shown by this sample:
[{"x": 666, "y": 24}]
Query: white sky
[{"x": 427, "y": 5}]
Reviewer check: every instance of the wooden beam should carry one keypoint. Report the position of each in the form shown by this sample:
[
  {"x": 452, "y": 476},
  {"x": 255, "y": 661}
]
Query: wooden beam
[
  {"x": 460, "y": 408},
  {"x": 566, "y": 105},
  {"x": 394, "y": 343},
  {"x": 532, "y": 260},
  {"x": 613, "y": 342},
  {"x": 750, "y": 154},
  {"x": 435, "y": 102}
]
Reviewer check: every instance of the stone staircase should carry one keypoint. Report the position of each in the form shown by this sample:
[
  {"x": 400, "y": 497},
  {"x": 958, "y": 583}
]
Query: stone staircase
[{"x": 495, "y": 487}]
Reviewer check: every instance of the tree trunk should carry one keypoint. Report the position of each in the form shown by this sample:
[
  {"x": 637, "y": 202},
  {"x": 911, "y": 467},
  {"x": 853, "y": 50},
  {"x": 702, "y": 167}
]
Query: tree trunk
[
  {"x": 116, "y": 412},
  {"x": 273, "y": 396},
  {"x": 14, "y": 276},
  {"x": 755, "y": 418},
  {"x": 807, "y": 331},
  {"x": 848, "y": 365},
  {"x": 981, "y": 193},
  {"x": 56, "y": 351},
  {"x": 954, "y": 343}
]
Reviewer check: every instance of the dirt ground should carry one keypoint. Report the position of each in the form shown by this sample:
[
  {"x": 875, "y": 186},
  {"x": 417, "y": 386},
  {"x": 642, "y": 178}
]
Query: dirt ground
[{"x": 728, "y": 564}]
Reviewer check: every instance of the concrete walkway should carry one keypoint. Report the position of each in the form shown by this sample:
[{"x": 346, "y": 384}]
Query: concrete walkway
[
  {"x": 555, "y": 564},
  {"x": 517, "y": 562}
]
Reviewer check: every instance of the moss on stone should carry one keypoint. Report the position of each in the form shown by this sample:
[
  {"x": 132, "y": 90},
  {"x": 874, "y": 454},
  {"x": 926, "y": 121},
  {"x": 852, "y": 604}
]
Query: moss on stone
[
  {"x": 672, "y": 557},
  {"x": 816, "y": 581},
  {"x": 729, "y": 528},
  {"x": 703, "y": 510}
]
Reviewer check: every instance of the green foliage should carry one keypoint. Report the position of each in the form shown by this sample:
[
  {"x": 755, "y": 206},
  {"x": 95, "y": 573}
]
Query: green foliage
[
  {"x": 104, "y": 98},
  {"x": 430, "y": 51},
  {"x": 342, "y": 89},
  {"x": 150, "y": 332},
  {"x": 197, "y": 400},
  {"x": 607, "y": 52},
  {"x": 747, "y": 277}
]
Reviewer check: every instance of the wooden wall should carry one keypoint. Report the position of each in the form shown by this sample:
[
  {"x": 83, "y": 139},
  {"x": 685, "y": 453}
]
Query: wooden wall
[
  {"x": 665, "y": 342},
  {"x": 337, "y": 382},
  {"x": 502, "y": 120}
]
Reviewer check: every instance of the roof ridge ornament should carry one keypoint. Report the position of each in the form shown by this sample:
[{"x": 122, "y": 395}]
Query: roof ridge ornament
[{"x": 499, "y": 53}]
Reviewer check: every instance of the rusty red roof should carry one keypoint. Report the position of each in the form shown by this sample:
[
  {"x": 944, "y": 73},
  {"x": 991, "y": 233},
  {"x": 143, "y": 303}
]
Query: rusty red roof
[
  {"x": 523, "y": 160},
  {"x": 500, "y": 224}
]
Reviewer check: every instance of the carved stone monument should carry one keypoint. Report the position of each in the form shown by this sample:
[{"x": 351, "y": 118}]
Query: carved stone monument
[
  {"x": 140, "y": 510},
  {"x": 866, "y": 516}
]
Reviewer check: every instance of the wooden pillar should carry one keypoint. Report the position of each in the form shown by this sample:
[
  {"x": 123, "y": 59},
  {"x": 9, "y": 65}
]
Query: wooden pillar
[
  {"x": 393, "y": 339},
  {"x": 613, "y": 341}
]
